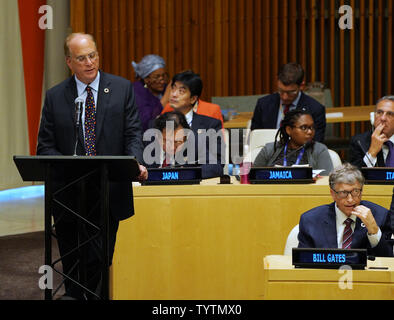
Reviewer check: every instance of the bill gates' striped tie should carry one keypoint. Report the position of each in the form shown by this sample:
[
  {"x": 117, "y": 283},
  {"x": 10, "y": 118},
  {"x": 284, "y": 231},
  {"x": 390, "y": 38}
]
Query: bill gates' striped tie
[{"x": 347, "y": 234}]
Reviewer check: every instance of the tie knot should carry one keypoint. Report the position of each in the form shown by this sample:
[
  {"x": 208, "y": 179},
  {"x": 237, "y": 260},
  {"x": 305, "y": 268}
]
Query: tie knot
[
  {"x": 88, "y": 89},
  {"x": 389, "y": 144},
  {"x": 348, "y": 221}
]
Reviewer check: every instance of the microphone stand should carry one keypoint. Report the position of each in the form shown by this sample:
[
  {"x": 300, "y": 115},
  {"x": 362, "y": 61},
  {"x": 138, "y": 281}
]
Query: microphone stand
[{"x": 77, "y": 125}]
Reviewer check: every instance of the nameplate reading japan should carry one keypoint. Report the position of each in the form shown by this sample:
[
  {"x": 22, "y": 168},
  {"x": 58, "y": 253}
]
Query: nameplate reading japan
[
  {"x": 168, "y": 175},
  {"x": 280, "y": 175},
  {"x": 380, "y": 175},
  {"x": 329, "y": 258}
]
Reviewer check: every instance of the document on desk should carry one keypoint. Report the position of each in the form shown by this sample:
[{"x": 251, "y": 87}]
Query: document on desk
[
  {"x": 315, "y": 173},
  {"x": 334, "y": 115}
]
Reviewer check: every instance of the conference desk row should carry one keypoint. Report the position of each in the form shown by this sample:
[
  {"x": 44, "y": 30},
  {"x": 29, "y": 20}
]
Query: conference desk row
[
  {"x": 333, "y": 115},
  {"x": 209, "y": 241}
]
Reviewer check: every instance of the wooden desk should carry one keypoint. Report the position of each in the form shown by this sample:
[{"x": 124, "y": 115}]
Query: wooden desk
[
  {"x": 283, "y": 281},
  {"x": 349, "y": 114},
  {"x": 208, "y": 241}
]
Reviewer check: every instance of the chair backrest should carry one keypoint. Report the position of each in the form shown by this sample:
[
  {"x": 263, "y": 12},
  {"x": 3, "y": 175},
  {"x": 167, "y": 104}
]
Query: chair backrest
[
  {"x": 335, "y": 159},
  {"x": 372, "y": 117},
  {"x": 292, "y": 241},
  {"x": 238, "y": 103},
  {"x": 227, "y": 142},
  {"x": 258, "y": 139}
]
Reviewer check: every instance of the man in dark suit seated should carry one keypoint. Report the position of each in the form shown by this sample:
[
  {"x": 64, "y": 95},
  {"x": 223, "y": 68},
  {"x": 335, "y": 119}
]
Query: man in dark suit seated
[
  {"x": 348, "y": 222},
  {"x": 375, "y": 148},
  {"x": 186, "y": 88},
  {"x": 270, "y": 110}
]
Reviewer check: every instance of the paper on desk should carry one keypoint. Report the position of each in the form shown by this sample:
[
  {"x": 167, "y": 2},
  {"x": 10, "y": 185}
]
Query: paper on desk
[
  {"x": 334, "y": 115},
  {"x": 316, "y": 173}
]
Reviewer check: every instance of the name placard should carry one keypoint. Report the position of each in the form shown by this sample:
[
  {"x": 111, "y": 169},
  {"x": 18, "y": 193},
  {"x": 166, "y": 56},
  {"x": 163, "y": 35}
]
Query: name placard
[
  {"x": 280, "y": 175},
  {"x": 329, "y": 258},
  {"x": 378, "y": 175},
  {"x": 173, "y": 176}
]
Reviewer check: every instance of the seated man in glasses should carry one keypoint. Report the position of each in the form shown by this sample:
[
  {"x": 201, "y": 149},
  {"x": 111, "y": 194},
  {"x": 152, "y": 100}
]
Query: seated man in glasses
[
  {"x": 270, "y": 109},
  {"x": 375, "y": 148},
  {"x": 348, "y": 222}
]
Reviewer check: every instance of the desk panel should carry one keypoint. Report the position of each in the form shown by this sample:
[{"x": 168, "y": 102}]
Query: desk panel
[
  {"x": 208, "y": 241},
  {"x": 349, "y": 114},
  {"x": 283, "y": 281}
]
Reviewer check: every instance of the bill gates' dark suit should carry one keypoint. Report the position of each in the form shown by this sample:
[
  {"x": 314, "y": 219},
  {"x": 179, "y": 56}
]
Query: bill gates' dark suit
[{"x": 317, "y": 229}]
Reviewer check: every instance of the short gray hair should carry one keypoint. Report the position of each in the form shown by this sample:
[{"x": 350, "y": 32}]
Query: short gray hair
[
  {"x": 390, "y": 98},
  {"x": 346, "y": 173}
]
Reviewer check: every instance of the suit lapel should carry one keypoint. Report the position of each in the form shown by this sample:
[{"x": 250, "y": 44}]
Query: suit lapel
[
  {"x": 71, "y": 93},
  {"x": 330, "y": 227},
  {"x": 104, "y": 95}
]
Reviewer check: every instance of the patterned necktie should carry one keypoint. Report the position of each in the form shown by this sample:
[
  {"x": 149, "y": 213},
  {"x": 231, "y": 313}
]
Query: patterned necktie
[
  {"x": 286, "y": 108},
  {"x": 90, "y": 124},
  {"x": 347, "y": 234},
  {"x": 390, "y": 156}
]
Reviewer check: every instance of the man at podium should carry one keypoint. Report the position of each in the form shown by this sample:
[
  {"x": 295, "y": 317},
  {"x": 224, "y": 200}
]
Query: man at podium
[
  {"x": 109, "y": 125},
  {"x": 348, "y": 222}
]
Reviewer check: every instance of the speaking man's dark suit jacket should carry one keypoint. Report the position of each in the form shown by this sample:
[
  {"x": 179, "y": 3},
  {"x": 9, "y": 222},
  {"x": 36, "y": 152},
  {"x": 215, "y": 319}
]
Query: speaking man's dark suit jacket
[
  {"x": 118, "y": 129},
  {"x": 265, "y": 114},
  {"x": 357, "y": 153},
  {"x": 317, "y": 229}
]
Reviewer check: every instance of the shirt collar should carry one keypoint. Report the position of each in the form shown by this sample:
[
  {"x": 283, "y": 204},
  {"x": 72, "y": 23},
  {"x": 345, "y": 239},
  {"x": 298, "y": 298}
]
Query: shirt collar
[
  {"x": 189, "y": 117},
  {"x": 341, "y": 217},
  {"x": 295, "y": 101},
  {"x": 81, "y": 87}
]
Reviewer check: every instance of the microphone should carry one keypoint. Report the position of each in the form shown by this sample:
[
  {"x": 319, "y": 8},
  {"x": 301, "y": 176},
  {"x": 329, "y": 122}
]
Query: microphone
[
  {"x": 78, "y": 111},
  {"x": 365, "y": 152}
]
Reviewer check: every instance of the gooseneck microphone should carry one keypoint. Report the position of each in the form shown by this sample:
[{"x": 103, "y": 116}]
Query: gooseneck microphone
[
  {"x": 78, "y": 112},
  {"x": 365, "y": 152}
]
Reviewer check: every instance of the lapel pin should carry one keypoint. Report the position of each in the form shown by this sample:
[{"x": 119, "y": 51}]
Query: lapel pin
[
  {"x": 363, "y": 225},
  {"x": 106, "y": 90}
]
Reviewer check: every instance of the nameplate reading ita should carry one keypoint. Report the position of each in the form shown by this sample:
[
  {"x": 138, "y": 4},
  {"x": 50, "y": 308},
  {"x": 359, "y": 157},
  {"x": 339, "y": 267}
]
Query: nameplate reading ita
[
  {"x": 378, "y": 175},
  {"x": 329, "y": 258},
  {"x": 173, "y": 176},
  {"x": 280, "y": 175}
]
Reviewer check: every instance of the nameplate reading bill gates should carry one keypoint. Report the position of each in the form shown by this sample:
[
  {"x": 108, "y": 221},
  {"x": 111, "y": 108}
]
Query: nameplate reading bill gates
[
  {"x": 280, "y": 175},
  {"x": 173, "y": 176},
  {"x": 323, "y": 258}
]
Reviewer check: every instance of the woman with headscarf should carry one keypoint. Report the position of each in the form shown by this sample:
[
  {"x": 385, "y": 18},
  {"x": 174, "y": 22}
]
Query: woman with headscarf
[{"x": 150, "y": 93}]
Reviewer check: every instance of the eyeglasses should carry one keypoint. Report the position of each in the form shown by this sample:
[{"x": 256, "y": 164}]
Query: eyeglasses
[
  {"x": 289, "y": 93},
  {"x": 305, "y": 128},
  {"x": 92, "y": 57},
  {"x": 344, "y": 194},
  {"x": 158, "y": 77},
  {"x": 380, "y": 113}
]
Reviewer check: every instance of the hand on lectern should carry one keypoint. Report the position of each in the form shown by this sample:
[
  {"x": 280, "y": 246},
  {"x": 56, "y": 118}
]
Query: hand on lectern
[{"x": 143, "y": 173}]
